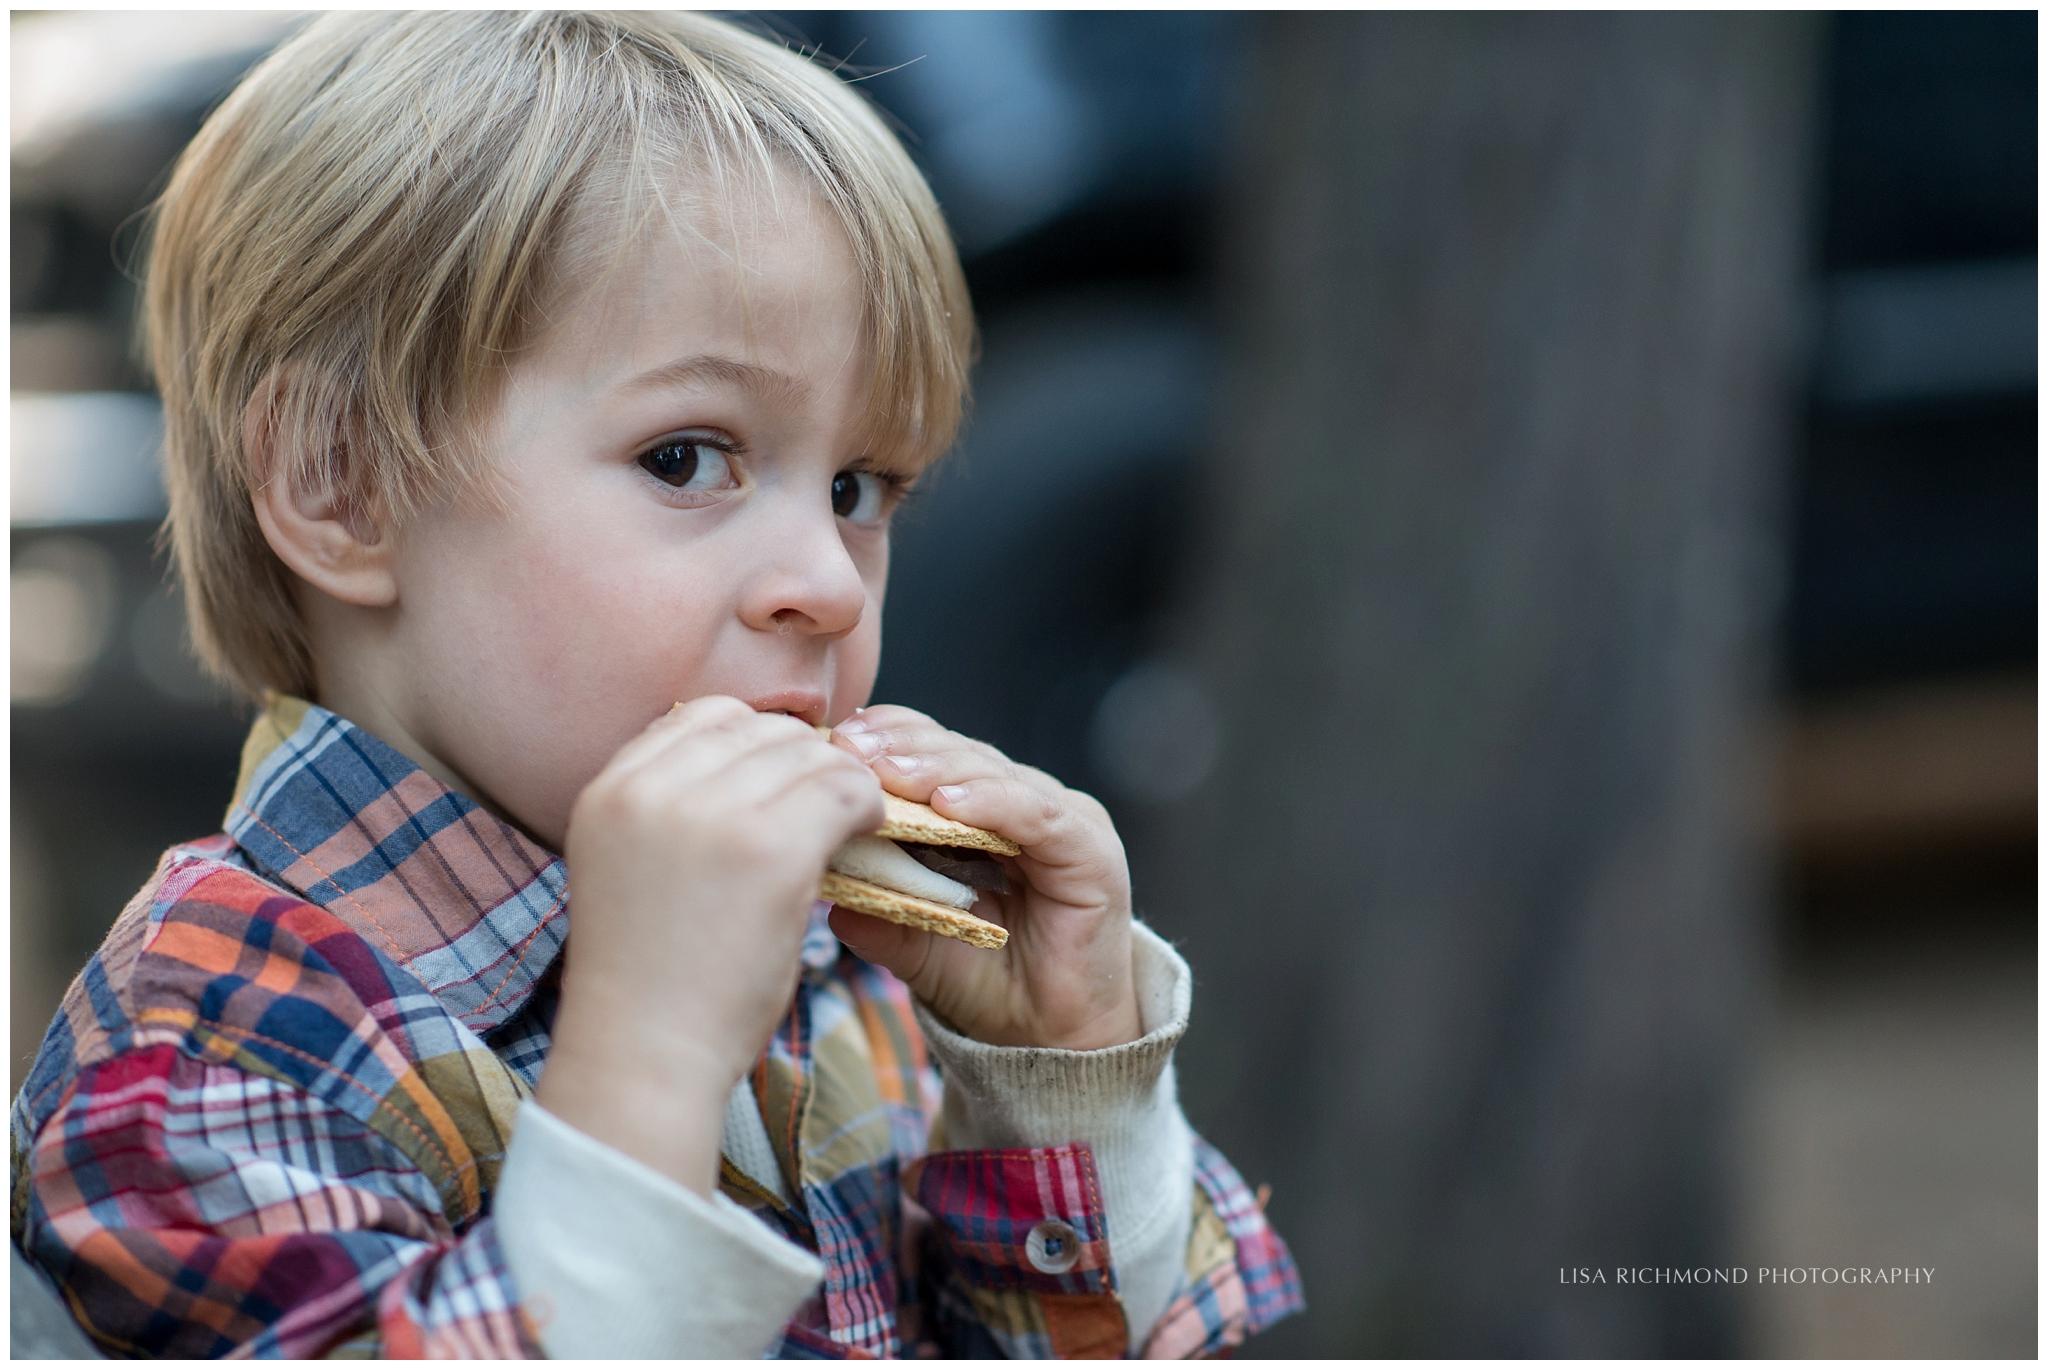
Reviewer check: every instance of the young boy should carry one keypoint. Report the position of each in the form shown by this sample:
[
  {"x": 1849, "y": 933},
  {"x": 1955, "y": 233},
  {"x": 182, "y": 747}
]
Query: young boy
[{"x": 522, "y": 377}]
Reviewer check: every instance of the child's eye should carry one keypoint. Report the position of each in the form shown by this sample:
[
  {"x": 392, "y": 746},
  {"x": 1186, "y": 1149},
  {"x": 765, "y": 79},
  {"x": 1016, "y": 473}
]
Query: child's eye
[
  {"x": 861, "y": 496},
  {"x": 689, "y": 464}
]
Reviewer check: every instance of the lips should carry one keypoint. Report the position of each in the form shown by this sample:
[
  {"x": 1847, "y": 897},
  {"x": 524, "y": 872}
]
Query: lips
[{"x": 808, "y": 705}]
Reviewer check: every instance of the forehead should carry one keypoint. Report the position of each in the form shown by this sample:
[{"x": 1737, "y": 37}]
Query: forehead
[
  {"x": 750, "y": 285},
  {"x": 753, "y": 264}
]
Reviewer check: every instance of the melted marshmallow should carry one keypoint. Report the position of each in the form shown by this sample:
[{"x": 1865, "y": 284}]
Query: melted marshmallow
[{"x": 879, "y": 861}]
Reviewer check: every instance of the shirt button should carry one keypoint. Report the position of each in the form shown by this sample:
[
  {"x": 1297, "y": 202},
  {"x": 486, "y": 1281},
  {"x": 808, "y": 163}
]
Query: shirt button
[{"x": 1053, "y": 1247}]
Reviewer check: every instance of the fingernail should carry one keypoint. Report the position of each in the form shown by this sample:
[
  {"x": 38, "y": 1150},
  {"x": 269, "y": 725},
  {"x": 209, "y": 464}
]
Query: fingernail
[
  {"x": 904, "y": 765},
  {"x": 867, "y": 744},
  {"x": 952, "y": 794},
  {"x": 853, "y": 725}
]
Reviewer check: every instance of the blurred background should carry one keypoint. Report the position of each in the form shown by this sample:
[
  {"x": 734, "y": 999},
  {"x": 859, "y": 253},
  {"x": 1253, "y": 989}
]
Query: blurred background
[{"x": 1529, "y": 522}]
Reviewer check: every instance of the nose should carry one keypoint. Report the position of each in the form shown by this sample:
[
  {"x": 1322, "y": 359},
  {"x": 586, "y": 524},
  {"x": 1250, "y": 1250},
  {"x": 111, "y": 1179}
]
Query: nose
[{"x": 807, "y": 581}]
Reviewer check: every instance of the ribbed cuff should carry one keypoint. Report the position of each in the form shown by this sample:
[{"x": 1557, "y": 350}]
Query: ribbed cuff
[
  {"x": 614, "y": 1260},
  {"x": 1121, "y": 1101}
]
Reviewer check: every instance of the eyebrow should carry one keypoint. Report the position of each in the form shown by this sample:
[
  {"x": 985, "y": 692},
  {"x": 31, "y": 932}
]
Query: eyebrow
[{"x": 762, "y": 380}]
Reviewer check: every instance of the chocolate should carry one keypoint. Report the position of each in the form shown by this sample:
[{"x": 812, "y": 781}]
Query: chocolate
[{"x": 975, "y": 869}]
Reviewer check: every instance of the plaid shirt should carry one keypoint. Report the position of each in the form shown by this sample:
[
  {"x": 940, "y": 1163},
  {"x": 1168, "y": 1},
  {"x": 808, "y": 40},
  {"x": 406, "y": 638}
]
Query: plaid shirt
[{"x": 270, "y": 1115}]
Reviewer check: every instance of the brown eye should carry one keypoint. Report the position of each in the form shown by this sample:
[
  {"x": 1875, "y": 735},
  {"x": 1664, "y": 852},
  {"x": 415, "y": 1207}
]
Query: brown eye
[
  {"x": 857, "y": 495},
  {"x": 688, "y": 466}
]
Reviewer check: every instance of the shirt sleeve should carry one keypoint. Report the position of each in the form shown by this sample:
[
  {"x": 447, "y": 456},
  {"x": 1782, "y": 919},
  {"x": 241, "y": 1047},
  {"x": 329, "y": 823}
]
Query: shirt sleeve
[
  {"x": 190, "y": 1210},
  {"x": 603, "y": 1246},
  {"x": 1073, "y": 1208},
  {"x": 1120, "y": 1102}
]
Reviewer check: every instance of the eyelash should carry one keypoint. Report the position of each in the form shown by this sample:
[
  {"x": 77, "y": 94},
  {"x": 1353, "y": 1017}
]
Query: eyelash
[
  {"x": 900, "y": 485},
  {"x": 903, "y": 490},
  {"x": 732, "y": 447}
]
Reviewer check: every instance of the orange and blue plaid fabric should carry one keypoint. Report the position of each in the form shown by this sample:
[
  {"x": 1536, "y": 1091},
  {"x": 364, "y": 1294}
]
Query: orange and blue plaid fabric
[{"x": 270, "y": 1115}]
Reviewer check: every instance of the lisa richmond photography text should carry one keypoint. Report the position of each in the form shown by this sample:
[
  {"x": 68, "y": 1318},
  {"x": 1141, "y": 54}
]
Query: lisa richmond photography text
[{"x": 1781, "y": 1274}]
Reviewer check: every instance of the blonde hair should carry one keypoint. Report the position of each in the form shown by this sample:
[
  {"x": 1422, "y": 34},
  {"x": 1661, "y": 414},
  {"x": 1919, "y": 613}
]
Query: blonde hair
[{"x": 379, "y": 218}]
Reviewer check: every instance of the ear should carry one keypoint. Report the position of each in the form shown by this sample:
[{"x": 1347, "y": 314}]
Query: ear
[{"x": 325, "y": 536}]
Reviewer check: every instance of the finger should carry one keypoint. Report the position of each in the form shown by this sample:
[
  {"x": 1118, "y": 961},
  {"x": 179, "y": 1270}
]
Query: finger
[
  {"x": 912, "y": 760},
  {"x": 904, "y": 952},
  {"x": 881, "y": 717},
  {"x": 739, "y": 766},
  {"x": 865, "y": 733},
  {"x": 682, "y": 720},
  {"x": 1044, "y": 823},
  {"x": 836, "y": 797},
  {"x": 755, "y": 729},
  {"x": 891, "y": 728},
  {"x": 753, "y": 767},
  {"x": 916, "y": 774}
]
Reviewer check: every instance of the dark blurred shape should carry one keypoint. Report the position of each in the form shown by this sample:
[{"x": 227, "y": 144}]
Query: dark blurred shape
[
  {"x": 1954, "y": 330},
  {"x": 1914, "y": 546},
  {"x": 1914, "y": 521},
  {"x": 1931, "y": 138},
  {"x": 1479, "y": 596}
]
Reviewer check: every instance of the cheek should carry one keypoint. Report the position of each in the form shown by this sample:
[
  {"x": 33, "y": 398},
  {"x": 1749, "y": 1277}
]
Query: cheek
[
  {"x": 610, "y": 636},
  {"x": 544, "y": 658},
  {"x": 859, "y": 655},
  {"x": 853, "y": 669}
]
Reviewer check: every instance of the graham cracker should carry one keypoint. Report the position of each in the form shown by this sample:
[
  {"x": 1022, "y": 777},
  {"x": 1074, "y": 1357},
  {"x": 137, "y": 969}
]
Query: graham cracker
[
  {"x": 906, "y": 820},
  {"x": 910, "y": 911}
]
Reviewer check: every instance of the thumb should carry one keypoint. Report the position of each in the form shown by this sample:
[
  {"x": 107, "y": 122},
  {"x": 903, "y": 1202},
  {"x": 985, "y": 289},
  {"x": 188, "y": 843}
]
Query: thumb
[{"x": 900, "y": 950}]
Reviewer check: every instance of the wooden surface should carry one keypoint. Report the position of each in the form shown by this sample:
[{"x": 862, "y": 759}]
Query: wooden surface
[{"x": 1474, "y": 895}]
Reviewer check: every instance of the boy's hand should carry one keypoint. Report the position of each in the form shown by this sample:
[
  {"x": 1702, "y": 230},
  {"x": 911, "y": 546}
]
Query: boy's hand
[
  {"x": 1064, "y": 979},
  {"x": 694, "y": 858}
]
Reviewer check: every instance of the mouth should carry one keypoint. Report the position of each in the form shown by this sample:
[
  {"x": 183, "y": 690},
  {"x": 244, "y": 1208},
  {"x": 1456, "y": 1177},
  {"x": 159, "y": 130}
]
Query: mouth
[{"x": 808, "y": 705}]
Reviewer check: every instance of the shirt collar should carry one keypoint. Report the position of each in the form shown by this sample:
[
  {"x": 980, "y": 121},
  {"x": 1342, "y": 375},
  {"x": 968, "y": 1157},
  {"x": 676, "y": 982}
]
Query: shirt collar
[{"x": 473, "y": 908}]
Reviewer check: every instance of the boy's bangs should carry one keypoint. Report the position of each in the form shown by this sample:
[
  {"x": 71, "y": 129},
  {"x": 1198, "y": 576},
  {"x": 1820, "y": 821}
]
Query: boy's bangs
[{"x": 914, "y": 407}]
